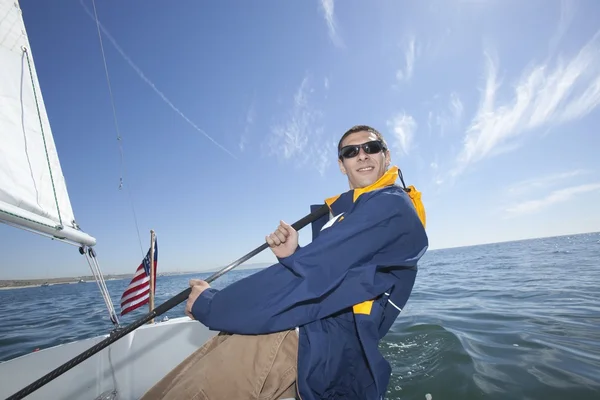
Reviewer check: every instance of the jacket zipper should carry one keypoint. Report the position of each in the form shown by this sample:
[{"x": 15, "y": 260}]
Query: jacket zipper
[{"x": 297, "y": 355}]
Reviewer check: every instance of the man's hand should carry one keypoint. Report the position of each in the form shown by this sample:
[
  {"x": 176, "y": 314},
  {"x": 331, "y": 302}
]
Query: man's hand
[
  {"x": 198, "y": 286},
  {"x": 284, "y": 241}
]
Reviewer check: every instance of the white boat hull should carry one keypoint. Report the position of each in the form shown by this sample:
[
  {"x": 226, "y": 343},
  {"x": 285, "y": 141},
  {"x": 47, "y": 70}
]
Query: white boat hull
[{"x": 131, "y": 365}]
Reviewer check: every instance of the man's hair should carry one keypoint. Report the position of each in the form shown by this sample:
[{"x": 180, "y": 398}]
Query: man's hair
[{"x": 360, "y": 128}]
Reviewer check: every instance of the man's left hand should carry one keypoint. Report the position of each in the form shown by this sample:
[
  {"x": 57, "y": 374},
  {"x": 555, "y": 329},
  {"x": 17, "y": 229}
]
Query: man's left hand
[{"x": 198, "y": 286}]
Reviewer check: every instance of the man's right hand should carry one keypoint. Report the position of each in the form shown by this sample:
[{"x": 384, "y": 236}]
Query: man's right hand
[{"x": 284, "y": 241}]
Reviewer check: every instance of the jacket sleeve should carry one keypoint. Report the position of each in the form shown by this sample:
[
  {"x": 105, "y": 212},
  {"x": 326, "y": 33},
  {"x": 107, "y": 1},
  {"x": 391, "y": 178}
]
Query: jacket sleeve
[{"x": 335, "y": 271}]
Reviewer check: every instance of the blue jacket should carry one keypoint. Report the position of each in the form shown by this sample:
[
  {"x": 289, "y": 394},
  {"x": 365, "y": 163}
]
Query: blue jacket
[{"x": 343, "y": 290}]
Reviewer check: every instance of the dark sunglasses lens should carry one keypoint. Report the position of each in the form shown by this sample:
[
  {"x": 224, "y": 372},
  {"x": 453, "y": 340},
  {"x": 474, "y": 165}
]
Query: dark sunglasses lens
[
  {"x": 350, "y": 151},
  {"x": 372, "y": 147}
]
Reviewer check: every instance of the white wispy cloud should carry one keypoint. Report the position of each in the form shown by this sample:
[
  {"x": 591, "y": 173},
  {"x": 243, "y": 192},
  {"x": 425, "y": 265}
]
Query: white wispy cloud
[
  {"x": 567, "y": 12},
  {"x": 557, "y": 196},
  {"x": 300, "y": 138},
  {"x": 250, "y": 118},
  {"x": 328, "y": 7},
  {"x": 403, "y": 127},
  {"x": 446, "y": 116},
  {"x": 429, "y": 122},
  {"x": 543, "y": 97},
  {"x": 450, "y": 119},
  {"x": 543, "y": 182},
  {"x": 456, "y": 107},
  {"x": 436, "y": 173},
  {"x": 409, "y": 60}
]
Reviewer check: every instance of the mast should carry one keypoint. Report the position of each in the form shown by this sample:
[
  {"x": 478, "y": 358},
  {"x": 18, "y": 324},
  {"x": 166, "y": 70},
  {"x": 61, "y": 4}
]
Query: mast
[{"x": 151, "y": 294}]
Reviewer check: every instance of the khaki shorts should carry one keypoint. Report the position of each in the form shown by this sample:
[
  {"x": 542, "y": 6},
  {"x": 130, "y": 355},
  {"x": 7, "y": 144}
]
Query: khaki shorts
[{"x": 234, "y": 367}]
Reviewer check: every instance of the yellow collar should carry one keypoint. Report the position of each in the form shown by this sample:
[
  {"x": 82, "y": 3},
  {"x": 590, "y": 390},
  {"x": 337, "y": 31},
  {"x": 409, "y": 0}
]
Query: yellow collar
[{"x": 387, "y": 179}]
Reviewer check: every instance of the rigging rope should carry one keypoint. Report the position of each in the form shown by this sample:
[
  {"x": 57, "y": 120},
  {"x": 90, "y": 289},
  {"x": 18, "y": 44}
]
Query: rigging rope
[
  {"x": 90, "y": 256},
  {"x": 151, "y": 84},
  {"x": 119, "y": 138}
]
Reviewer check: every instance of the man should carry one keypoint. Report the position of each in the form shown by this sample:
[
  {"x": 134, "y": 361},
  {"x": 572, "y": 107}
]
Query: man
[{"x": 331, "y": 301}]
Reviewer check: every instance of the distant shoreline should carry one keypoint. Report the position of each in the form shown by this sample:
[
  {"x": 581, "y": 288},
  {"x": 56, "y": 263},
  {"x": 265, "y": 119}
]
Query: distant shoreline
[{"x": 28, "y": 283}]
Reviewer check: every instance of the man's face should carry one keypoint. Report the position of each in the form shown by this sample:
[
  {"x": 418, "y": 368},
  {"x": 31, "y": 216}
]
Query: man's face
[{"x": 363, "y": 169}]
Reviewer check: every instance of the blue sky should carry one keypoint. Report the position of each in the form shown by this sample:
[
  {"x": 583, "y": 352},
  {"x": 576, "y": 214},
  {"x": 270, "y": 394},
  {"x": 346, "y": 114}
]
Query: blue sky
[{"x": 230, "y": 114}]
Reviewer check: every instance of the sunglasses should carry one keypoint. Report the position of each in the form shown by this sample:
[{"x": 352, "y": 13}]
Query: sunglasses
[{"x": 350, "y": 151}]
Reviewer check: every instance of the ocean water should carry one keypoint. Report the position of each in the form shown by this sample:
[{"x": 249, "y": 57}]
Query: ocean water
[{"x": 517, "y": 320}]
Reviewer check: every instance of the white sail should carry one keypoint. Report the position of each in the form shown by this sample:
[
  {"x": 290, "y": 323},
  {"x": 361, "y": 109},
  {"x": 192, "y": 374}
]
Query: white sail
[{"x": 33, "y": 192}]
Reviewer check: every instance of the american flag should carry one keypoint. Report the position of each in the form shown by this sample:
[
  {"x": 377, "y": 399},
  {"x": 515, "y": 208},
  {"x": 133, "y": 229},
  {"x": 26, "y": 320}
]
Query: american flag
[{"x": 137, "y": 293}]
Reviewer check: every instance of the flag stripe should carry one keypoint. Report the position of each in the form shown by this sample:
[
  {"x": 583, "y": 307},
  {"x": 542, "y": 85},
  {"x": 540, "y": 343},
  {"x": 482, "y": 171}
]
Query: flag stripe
[
  {"x": 134, "y": 306},
  {"x": 132, "y": 288},
  {"x": 137, "y": 293},
  {"x": 139, "y": 273},
  {"x": 132, "y": 295}
]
